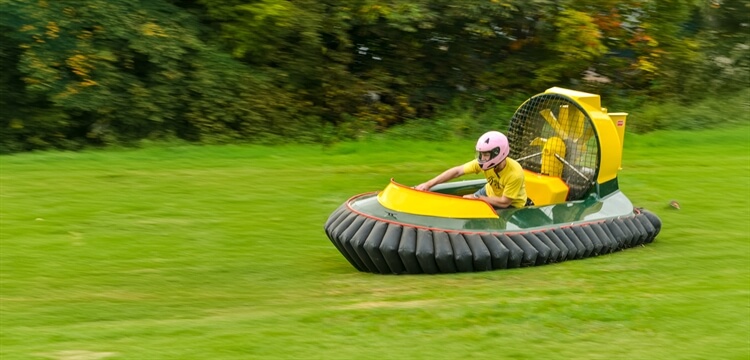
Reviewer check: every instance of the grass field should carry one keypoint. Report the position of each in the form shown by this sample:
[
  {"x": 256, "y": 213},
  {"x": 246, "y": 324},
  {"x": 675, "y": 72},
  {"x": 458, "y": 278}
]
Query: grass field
[{"x": 218, "y": 252}]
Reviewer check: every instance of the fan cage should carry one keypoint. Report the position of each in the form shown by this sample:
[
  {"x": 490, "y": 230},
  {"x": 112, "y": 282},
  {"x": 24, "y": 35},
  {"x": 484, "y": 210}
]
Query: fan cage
[{"x": 557, "y": 123}]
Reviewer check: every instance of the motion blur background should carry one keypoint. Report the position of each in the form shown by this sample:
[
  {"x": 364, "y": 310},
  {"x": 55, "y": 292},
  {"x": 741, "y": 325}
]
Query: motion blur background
[{"x": 116, "y": 72}]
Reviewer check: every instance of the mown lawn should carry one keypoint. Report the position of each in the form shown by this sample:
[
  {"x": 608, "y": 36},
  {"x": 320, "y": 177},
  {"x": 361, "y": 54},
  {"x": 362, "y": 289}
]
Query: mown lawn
[{"x": 218, "y": 252}]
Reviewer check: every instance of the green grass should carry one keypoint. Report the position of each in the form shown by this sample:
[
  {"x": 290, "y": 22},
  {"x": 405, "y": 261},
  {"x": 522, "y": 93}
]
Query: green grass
[{"x": 218, "y": 252}]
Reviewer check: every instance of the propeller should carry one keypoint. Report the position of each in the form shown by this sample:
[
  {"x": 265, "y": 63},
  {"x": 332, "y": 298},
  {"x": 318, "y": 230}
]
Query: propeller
[{"x": 570, "y": 131}]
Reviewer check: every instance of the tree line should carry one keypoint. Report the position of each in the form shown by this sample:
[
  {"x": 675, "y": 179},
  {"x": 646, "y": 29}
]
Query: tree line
[{"x": 77, "y": 73}]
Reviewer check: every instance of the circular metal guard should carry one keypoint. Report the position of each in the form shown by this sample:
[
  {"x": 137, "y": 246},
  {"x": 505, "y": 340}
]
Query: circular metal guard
[{"x": 553, "y": 135}]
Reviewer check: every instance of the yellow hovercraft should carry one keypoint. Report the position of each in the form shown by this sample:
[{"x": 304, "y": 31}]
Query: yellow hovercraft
[{"x": 571, "y": 151}]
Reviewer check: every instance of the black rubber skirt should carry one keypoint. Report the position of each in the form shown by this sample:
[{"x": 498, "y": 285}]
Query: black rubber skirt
[{"x": 380, "y": 246}]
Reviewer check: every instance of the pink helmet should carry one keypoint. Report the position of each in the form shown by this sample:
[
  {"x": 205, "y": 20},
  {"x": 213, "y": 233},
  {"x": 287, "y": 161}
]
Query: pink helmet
[{"x": 496, "y": 144}]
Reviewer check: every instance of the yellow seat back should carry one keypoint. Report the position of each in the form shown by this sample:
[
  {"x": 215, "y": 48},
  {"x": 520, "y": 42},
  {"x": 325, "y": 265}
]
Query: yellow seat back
[{"x": 545, "y": 190}]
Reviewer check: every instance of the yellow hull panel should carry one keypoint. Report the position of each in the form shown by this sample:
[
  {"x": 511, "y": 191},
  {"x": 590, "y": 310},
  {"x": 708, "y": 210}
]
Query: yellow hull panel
[{"x": 404, "y": 199}]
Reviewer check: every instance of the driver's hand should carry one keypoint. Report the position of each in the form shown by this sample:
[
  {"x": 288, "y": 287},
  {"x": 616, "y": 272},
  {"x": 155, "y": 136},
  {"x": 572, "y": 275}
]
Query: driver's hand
[{"x": 422, "y": 187}]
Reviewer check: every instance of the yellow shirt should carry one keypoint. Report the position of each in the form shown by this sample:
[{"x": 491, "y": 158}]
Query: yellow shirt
[{"x": 509, "y": 181}]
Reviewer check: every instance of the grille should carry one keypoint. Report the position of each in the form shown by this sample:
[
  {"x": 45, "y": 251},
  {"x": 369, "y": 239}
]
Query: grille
[{"x": 552, "y": 135}]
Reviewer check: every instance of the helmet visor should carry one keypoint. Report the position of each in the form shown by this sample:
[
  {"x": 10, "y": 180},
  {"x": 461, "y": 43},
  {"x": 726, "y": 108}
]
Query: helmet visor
[{"x": 485, "y": 156}]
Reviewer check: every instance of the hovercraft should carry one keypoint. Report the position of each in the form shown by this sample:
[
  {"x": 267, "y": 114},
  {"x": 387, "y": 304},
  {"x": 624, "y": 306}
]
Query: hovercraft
[{"x": 571, "y": 151}]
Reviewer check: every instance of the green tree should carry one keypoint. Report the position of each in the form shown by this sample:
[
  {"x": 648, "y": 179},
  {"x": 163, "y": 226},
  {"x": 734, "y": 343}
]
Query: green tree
[
  {"x": 724, "y": 40},
  {"x": 100, "y": 72},
  {"x": 117, "y": 71},
  {"x": 302, "y": 46}
]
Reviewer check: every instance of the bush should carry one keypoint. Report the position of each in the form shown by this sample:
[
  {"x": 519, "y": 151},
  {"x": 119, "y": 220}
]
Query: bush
[
  {"x": 707, "y": 113},
  {"x": 461, "y": 119}
]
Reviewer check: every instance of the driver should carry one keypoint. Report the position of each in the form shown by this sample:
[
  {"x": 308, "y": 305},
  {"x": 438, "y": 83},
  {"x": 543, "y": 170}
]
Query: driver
[{"x": 505, "y": 182}]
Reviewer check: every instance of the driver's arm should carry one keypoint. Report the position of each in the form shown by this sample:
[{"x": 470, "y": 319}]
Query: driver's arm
[
  {"x": 512, "y": 188},
  {"x": 447, "y": 175},
  {"x": 501, "y": 202}
]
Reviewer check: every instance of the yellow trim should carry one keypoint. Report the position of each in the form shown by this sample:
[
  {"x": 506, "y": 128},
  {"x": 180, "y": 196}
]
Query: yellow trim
[
  {"x": 545, "y": 190},
  {"x": 404, "y": 199},
  {"x": 610, "y": 141}
]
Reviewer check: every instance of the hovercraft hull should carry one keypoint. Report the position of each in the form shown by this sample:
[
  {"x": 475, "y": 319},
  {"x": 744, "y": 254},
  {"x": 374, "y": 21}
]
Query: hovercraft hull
[{"x": 377, "y": 239}]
